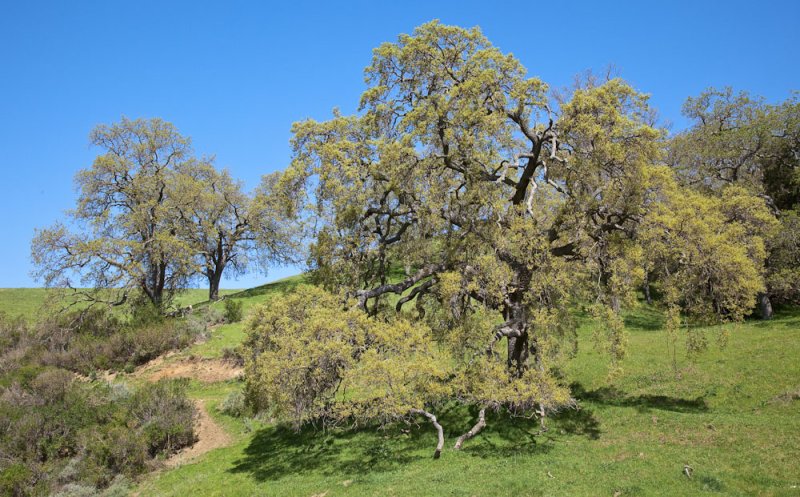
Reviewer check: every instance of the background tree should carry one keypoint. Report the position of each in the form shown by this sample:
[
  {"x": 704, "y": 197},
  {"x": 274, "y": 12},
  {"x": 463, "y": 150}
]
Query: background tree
[
  {"x": 126, "y": 219},
  {"x": 228, "y": 228},
  {"x": 740, "y": 140},
  {"x": 503, "y": 208}
]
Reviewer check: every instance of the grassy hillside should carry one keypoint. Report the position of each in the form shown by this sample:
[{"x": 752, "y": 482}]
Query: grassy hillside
[
  {"x": 732, "y": 415},
  {"x": 29, "y": 301}
]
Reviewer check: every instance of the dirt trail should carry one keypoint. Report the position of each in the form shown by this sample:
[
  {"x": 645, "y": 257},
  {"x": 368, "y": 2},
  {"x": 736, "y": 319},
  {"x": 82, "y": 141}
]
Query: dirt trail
[
  {"x": 210, "y": 436},
  {"x": 203, "y": 370}
]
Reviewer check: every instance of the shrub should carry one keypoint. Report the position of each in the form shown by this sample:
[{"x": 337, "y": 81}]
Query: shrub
[
  {"x": 111, "y": 450},
  {"x": 12, "y": 331},
  {"x": 213, "y": 316},
  {"x": 233, "y": 311},
  {"x": 234, "y": 404},
  {"x": 15, "y": 479},
  {"x": 233, "y": 355},
  {"x": 164, "y": 416}
]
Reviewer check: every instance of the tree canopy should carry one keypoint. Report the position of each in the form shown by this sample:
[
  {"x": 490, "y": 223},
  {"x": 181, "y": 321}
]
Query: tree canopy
[
  {"x": 151, "y": 217},
  {"x": 739, "y": 140},
  {"x": 464, "y": 187}
]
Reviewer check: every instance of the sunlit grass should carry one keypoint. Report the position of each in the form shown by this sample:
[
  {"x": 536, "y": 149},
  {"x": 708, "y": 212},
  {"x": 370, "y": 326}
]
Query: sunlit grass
[{"x": 728, "y": 414}]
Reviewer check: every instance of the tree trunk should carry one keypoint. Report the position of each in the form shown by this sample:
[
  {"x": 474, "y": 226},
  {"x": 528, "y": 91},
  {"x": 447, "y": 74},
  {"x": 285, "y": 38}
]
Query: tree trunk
[
  {"x": 647, "y": 296},
  {"x": 214, "y": 279},
  {"x": 765, "y": 305},
  {"x": 474, "y": 431},
  {"x": 439, "y": 431}
]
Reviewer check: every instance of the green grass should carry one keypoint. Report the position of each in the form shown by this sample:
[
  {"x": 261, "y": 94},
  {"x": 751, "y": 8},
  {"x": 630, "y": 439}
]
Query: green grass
[
  {"x": 731, "y": 414},
  {"x": 726, "y": 414},
  {"x": 29, "y": 302},
  {"x": 231, "y": 335}
]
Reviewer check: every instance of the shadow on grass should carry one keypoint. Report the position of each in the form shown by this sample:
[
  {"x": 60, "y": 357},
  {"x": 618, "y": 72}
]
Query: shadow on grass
[
  {"x": 278, "y": 451},
  {"x": 644, "y": 317},
  {"x": 611, "y": 396},
  {"x": 277, "y": 287}
]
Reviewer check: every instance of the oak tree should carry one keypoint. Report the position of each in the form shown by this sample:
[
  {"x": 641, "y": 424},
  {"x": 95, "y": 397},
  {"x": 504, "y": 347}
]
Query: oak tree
[
  {"x": 122, "y": 238},
  {"x": 462, "y": 187},
  {"x": 737, "y": 139},
  {"x": 228, "y": 229}
]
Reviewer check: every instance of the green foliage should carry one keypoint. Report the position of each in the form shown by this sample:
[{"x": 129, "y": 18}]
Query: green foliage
[
  {"x": 129, "y": 214},
  {"x": 234, "y": 404},
  {"x": 308, "y": 359},
  {"x": 740, "y": 140},
  {"x": 233, "y": 311},
  {"x": 162, "y": 416},
  {"x": 504, "y": 208}
]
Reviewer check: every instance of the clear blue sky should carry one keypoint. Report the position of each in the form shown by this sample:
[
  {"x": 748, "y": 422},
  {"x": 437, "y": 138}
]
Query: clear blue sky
[{"x": 235, "y": 75}]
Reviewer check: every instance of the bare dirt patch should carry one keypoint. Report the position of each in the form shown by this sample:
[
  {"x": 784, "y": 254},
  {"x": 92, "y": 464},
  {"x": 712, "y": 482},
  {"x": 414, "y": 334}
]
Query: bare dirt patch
[
  {"x": 203, "y": 370},
  {"x": 210, "y": 436}
]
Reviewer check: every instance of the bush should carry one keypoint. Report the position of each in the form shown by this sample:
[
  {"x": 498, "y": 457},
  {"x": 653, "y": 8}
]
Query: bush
[
  {"x": 163, "y": 416},
  {"x": 15, "y": 479},
  {"x": 233, "y": 311},
  {"x": 233, "y": 356},
  {"x": 12, "y": 331},
  {"x": 234, "y": 404},
  {"x": 112, "y": 450}
]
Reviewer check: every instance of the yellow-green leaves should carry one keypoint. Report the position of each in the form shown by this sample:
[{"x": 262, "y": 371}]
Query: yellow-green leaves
[{"x": 308, "y": 357}]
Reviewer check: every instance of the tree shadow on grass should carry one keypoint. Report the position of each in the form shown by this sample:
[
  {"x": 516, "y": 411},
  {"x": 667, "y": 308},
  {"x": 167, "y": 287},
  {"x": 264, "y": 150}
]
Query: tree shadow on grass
[
  {"x": 611, "y": 396},
  {"x": 506, "y": 435},
  {"x": 275, "y": 288},
  {"x": 278, "y": 451}
]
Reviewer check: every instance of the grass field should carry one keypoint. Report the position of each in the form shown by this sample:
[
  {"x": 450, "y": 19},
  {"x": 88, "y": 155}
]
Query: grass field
[
  {"x": 732, "y": 415},
  {"x": 29, "y": 302}
]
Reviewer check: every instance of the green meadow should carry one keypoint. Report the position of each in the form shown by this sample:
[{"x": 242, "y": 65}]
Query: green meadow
[{"x": 729, "y": 417}]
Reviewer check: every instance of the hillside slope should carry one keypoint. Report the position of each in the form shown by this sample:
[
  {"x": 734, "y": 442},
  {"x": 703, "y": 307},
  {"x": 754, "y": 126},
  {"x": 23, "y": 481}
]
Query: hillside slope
[{"x": 732, "y": 417}]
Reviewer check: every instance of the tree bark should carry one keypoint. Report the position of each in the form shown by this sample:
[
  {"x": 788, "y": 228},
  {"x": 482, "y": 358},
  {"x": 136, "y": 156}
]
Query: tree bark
[
  {"x": 439, "y": 430},
  {"x": 765, "y": 305},
  {"x": 214, "y": 279},
  {"x": 481, "y": 424},
  {"x": 647, "y": 295}
]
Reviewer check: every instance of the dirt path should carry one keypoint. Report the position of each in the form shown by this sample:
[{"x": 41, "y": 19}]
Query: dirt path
[
  {"x": 210, "y": 436},
  {"x": 203, "y": 370}
]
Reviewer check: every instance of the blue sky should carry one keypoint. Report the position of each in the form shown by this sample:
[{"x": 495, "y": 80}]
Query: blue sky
[{"x": 235, "y": 75}]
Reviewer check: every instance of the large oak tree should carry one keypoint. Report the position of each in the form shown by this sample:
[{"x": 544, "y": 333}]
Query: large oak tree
[
  {"x": 463, "y": 187},
  {"x": 125, "y": 237}
]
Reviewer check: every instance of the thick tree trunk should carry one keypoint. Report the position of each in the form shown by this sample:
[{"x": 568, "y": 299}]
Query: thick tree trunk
[
  {"x": 765, "y": 305},
  {"x": 439, "y": 430},
  {"x": 481, "y": 424},
  {"x": 214, "y": 279}
]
